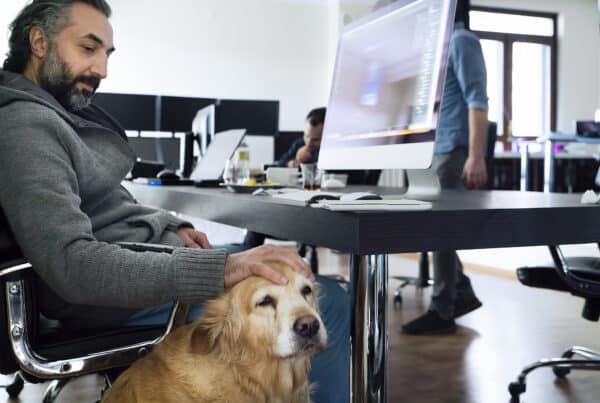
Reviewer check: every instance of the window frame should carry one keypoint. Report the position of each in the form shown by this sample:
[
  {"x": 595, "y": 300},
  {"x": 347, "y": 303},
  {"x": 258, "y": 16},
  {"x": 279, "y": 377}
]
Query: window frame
[{"x": 508, "y": 40}]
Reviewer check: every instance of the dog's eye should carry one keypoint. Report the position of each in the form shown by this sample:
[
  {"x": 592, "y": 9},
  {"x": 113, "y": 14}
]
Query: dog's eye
[
  {"x": 306, "y": 291},
  {"x": 266, "y": 301}
]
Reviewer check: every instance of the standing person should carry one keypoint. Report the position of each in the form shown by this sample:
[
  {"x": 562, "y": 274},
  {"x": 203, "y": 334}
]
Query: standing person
[
  {"x": 459, "y": 162},
  {"x": 63, "y": 160}
]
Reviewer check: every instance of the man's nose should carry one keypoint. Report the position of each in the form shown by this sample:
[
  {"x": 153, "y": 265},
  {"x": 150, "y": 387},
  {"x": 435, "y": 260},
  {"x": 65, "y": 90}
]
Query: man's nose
[{"x": 100, "y": 67}]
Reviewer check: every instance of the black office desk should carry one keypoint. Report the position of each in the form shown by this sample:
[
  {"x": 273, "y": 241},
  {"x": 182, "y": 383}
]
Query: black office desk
[{"x": 459, "y": 220}]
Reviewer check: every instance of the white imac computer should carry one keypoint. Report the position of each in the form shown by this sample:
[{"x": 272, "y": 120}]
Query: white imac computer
[{"x": 386, "y": 92}]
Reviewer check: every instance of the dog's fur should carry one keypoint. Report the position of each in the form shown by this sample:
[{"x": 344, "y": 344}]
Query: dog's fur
[{"x": 242, "y": 350}]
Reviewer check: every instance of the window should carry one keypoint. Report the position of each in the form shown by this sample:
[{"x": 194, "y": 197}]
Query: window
[{"x": 519, "y": 49}]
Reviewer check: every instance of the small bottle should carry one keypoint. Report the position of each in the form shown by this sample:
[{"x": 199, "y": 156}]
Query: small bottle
[{"x": 243, "y": 163}]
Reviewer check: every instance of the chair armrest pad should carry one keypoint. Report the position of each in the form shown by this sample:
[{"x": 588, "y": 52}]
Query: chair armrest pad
[{"x": 12, "y": 267}]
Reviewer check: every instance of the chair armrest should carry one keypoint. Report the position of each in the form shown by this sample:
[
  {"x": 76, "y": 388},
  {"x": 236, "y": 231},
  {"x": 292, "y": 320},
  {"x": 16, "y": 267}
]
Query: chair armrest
[
  {"x": 16, "y": 276},
  {"x": 586, "y": 287},
  {"x": 14, "y": 268}
]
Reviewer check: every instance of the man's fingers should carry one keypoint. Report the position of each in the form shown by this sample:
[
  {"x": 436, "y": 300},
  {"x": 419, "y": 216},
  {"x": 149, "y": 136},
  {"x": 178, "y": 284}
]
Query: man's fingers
[
  {"x": 262, "y": 270},
  {"x": 189, "y": 241},
  {"x": 294, "y": 260},
  {"x": 202, "y": 240}
]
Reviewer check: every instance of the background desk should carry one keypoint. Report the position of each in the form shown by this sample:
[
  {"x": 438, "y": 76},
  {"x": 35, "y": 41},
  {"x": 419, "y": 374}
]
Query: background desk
[{"x": 459, "y": 220}]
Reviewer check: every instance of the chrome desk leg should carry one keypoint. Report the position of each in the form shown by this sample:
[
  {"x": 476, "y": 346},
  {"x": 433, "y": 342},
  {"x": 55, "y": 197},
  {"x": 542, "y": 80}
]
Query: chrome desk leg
[{"x": 369, "y": 328}]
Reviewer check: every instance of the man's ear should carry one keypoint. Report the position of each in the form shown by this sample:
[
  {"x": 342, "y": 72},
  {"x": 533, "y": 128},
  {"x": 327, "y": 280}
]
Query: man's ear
[{"x": 38, "y": 42}]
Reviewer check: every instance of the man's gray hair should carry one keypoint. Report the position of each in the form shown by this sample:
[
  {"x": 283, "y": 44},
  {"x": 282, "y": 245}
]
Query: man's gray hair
[{"x": 51, "y": 16}]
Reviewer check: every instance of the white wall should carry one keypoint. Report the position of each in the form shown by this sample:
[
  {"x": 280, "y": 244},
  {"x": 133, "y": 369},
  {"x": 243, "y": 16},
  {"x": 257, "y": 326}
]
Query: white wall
[
  {"x": 246, "y": 49},
  {"x": 578, "y": 55},
  {"x": 284, "y": 49}
]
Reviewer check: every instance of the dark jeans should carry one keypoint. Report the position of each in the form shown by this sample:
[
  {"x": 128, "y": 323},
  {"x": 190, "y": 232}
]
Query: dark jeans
[{"x": 450, "y": 282}]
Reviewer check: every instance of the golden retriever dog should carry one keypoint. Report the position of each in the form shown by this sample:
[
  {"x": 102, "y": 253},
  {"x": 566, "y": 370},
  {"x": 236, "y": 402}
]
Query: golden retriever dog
[{"x": 251, "y": 345}]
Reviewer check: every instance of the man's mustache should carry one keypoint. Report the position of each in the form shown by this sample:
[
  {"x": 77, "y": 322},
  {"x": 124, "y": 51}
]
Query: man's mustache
[{"x": 93, "y": 82}]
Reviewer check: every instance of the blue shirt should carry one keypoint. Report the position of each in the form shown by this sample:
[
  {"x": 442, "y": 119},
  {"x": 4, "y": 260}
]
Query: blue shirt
[{"x": 464, "y": 89}]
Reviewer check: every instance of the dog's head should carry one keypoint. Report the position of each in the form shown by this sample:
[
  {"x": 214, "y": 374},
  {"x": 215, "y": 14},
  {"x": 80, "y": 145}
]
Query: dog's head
[{"x": 259, "y": 317}]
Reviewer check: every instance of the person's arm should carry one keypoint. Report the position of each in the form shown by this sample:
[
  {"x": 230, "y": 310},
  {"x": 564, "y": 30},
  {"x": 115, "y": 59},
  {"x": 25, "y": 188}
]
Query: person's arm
[
  {"x": 39, "y": 193},
  {"x": 475, "y": 171},
  {"x": 469, "y": 67},
  {"x": 288, "y": 159}
]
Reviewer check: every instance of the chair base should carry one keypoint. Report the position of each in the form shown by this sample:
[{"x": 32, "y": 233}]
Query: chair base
[
  {"x": 590, "y": 360},
  {"x": 54, "y": 389},
  {"x": 420, "y": 282}
]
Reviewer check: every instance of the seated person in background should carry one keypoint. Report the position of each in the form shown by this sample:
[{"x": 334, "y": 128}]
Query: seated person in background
[
  {"x": 62, "y": 161},
  {"x": 303, "y": 150},
  {"x": 306, "y": 149}
]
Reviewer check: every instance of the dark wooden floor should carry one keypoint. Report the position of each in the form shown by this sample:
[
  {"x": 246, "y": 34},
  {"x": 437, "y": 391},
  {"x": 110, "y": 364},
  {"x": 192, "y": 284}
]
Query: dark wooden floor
[{"x": 516, "y": 325}]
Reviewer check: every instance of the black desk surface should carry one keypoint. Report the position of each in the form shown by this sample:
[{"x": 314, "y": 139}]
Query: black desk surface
[{"x": 459, "y": 220}]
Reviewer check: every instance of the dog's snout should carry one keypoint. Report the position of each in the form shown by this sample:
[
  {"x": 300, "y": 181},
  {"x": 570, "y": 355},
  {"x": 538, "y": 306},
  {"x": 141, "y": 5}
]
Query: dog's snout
[{"x": 306, "y": 326}]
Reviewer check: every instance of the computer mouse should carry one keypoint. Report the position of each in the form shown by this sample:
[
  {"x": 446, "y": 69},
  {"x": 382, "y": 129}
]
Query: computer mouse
[
  {"x": 317, "y": 198},
  {"x": 360, "y": 196},
  {"x": 167, "y": 174}
]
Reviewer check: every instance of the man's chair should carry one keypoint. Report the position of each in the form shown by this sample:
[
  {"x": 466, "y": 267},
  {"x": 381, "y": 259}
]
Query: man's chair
[
  {"x": 423, "y": 278},
  {"x": 36, "y": 349},
  {"x": 581, "y": 277}
]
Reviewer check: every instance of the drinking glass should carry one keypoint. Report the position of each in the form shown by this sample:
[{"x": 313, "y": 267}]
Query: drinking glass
[{"x": 311, "y": 177}]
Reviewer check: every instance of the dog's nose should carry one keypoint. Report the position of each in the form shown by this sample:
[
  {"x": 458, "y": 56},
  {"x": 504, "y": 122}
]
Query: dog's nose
[{"x": 306, "y": 326}]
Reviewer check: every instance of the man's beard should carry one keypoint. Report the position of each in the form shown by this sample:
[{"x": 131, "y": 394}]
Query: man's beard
[{"x": 54, "y": 77}]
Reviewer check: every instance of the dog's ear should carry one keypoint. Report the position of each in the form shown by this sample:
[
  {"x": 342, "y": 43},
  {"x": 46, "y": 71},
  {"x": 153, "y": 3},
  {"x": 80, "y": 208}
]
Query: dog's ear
[{"x": 218, "y": 329}]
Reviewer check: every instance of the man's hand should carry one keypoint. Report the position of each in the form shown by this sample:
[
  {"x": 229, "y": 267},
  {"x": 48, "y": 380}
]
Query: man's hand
[
  {"x": 193, "y": 239},
  {"x": 240, "y": 266},
  {"x": 304, "y": 154},
  {"x": 475, "y": 172}
]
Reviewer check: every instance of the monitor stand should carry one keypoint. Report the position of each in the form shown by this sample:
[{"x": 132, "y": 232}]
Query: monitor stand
[{"x": 423, "y": 184}]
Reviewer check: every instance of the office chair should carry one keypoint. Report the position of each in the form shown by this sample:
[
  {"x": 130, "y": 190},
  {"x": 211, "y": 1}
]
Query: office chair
[
  {"x": 581, "y": 277},
  {"x": 423, "y": 278},
  {"x": 36, "y": 349}
]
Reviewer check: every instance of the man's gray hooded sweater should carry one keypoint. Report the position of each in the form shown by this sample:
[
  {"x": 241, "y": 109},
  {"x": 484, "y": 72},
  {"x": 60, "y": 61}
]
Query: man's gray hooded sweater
[{"x": 61, "y": 193}]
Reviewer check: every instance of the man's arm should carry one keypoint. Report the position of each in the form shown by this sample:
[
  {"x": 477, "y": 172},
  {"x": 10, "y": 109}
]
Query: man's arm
[
  {"x": 475, "y": 171},
  {"x": 287, "y": 159},
  {"x": 39, "y": 193},
  {"x": 472, "y": 78}
]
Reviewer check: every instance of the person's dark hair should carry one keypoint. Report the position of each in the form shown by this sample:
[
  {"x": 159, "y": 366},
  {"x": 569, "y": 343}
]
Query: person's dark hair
[
  {"x": 316, "y": 117},
  {"x": 462, "y": 12},
  {"x": 51, "y": 16}
]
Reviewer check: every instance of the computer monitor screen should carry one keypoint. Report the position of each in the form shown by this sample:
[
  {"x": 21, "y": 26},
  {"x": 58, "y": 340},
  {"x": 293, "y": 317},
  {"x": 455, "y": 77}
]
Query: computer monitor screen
[
  {"x": 177, "y": 113},
  {"x": 133, "y": 112},
  {"x": 387, "y": 87},
  {"x": 163, "y": 150},
  {"x": 257, "y": 117}
]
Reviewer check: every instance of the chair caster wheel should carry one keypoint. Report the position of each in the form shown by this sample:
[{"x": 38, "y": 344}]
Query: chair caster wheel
[
  {"x": 560, "y": 372},
  {"x": 515, "y": 389},
  {"x": 15, "y": 388}
]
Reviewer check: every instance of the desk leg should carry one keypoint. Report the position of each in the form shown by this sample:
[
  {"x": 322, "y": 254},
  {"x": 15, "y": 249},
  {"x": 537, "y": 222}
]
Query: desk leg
[{"x": 368, "y": 278}]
